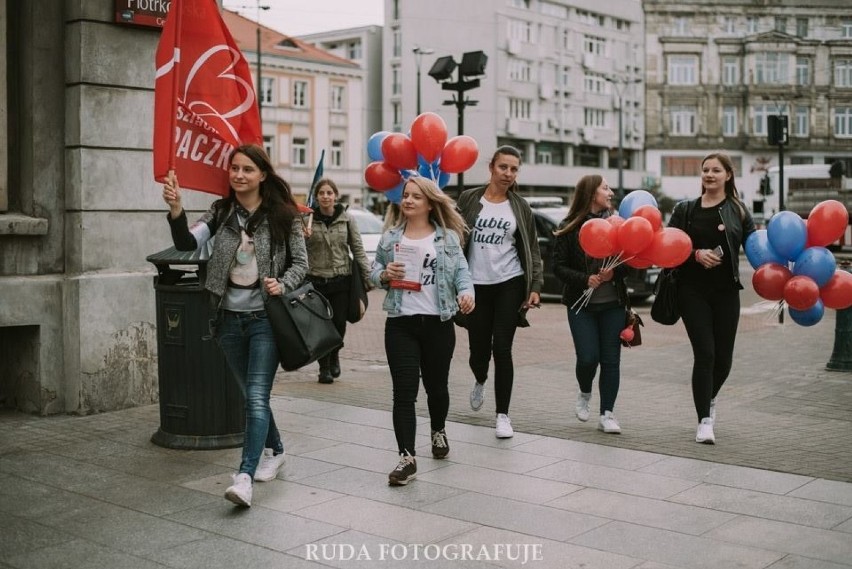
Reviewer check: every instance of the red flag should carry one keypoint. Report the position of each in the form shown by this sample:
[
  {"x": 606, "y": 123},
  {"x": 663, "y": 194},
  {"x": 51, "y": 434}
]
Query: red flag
[{"x": 204, "y": 99}]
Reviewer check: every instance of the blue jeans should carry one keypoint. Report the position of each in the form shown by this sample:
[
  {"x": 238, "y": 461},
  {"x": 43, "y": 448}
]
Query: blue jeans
[
  {"x": 595, "y": 331},
  {"x": 249, "y": 347}
]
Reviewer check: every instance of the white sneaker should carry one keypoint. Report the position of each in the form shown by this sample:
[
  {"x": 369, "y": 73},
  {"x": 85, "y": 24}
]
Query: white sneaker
[
  {"x": 477, "y": 396},
  {"x": 269, "y": 465},
  {"x": 240, "y": 492},
  {"x": 504, "y": 427},
  {"x": 582, "y": 407},
  {"x": 609, "y": 424},
  {"x": 713, "y": 410},
  {"x": 704, "y": 434}
]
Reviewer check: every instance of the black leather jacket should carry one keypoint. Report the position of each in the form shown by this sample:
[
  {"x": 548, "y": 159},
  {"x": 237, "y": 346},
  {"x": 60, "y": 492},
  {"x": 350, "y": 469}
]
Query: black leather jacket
[{"x": 737, "y": 221}]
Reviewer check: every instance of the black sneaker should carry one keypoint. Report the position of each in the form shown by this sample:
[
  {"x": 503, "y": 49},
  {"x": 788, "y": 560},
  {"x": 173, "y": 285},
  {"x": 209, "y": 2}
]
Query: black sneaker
[
  {"x": 404, "y": 472},
  {"x": 440, "y": 446}
]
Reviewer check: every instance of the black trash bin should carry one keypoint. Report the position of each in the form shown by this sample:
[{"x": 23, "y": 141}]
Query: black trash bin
[{"x": 201, "y": 404}]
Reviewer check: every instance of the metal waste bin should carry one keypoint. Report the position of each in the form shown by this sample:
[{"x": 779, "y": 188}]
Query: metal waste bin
[{"x": 201, "y": 404}]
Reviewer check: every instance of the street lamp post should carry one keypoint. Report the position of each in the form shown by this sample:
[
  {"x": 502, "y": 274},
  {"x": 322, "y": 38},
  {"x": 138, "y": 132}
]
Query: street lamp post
[
  {"x": 419, "y": 52},
  {"x": 620, "y": 84},
  {"x": 472, "y": 67},
  {"x": 259, "y": 76}
]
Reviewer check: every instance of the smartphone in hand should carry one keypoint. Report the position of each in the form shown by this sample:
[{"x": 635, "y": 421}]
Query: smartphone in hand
[{"x": 719, "y": 251}]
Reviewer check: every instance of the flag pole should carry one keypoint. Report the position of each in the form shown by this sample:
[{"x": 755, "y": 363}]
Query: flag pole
[{"x": 175, "y": 79}]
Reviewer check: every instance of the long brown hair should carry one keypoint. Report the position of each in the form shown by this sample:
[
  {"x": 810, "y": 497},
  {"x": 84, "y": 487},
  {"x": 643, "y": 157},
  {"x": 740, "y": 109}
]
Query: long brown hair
[
  {"x": 277, "y": 203},
  {"x": 581, "y": 203}
]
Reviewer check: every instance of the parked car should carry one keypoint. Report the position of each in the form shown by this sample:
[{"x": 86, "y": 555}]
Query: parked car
[
  {"x": 640, "y": 282},
  {"x": 370, "y": 226}
]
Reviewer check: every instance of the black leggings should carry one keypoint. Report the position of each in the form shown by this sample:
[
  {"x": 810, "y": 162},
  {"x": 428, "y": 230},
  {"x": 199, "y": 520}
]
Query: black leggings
[
  {"x": 337, "y": 293},
  {"x": 418, "y": 346},
  {"x": 711, "y": 318},
  {"x": 491, "y": 330}
]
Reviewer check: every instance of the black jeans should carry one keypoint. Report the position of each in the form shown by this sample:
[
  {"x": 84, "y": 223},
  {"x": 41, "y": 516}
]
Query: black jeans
[
  {"x": 711, "y": 318},
  {"x": 336, "y": 290},
  {"x": 418, "y": 346},
  {"x": 491, "y": 330}
]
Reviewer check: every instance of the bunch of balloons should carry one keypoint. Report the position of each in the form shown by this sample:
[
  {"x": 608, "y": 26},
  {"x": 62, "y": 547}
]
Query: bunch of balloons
[
  {"x": 425, "y": 151},
  {"x": 636, "y": 235},
  {"x": 814, "y": 283}
]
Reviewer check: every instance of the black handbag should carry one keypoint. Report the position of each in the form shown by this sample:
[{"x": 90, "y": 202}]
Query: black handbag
[
  {"x": 358, "y": 301},
  {"x": 665, "y": 307},
  {"x": 302, "y": 325},
  {"x": 633, "y": 321}
]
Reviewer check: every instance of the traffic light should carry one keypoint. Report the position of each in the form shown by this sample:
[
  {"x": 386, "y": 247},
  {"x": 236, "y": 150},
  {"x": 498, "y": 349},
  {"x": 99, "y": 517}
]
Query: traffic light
[
  {"x": 765, "y": 188},
  {"x": 777, "y": 129}
]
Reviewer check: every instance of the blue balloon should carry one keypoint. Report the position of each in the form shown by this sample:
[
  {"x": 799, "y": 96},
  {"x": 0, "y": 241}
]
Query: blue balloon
[
  {"x": 443, "y": 179},
  {"x": 788, "y": 234},
  {"x": 817, "y": 263},
  {"x": 425, "y": 169},
  {"x": 394, "y": 195},
  {"x": 374, "y": 146},
  {"x": 759, "y": 251},
  {"x": 807, "y": 317},
  {"x": 633, "y": 201}
]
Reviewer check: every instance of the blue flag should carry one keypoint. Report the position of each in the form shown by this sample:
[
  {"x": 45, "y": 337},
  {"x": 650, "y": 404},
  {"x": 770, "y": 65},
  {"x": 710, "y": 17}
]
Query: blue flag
[{"x": 317, "y": 175}]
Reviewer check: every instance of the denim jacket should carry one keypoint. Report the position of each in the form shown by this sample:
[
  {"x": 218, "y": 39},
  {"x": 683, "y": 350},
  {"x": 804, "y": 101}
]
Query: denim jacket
[{"x": 452, "y": 274}]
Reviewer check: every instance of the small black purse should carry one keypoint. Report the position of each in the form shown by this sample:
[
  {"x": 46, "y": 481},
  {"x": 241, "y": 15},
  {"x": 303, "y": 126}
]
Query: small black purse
[
  {"x": 665, "y": 307},
  {"x": 358, "y": 300}
]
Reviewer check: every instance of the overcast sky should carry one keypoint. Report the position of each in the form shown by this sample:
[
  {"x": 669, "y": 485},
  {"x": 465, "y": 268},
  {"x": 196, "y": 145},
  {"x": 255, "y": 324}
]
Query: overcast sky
[{"x": 300, "y": 17}]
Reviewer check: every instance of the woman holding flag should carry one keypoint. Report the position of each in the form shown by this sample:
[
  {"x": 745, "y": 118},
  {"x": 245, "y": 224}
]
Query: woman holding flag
[
  {"x": 258, "y": 250},
  {"x": 596, "y": 326}
]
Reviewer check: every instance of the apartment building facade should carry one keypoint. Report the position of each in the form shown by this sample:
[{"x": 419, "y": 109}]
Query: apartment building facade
[
  {"x": 717, "y": 71},
  {"x": 557, "y": 77}
]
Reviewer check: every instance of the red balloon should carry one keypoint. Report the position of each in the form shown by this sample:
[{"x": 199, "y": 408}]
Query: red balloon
[
  {"x": 634, "y": 235},
  {"x": 801, "y": 292},
  {"x": 638, "y": 262},
  {"x": 837, "y": 292},
  {"x": 615, "y": 220},
  {"x": 381, "y": 177},
  {"x": 399, "y": 152},
  {"x": 669, "y": 248},
  {"x": 827, "y": 223},
  {"x": 429, "y": 135},
  {"x": 460, "y": 153},
  {"x": 650, "y": 213},
  {"x": 597, "y": 238},
  {"x": 769, "y": 280}
]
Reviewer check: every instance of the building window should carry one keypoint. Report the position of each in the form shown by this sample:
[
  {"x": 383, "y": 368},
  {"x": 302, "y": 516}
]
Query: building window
[
  {"x": 523, "y": 4},
  {"x": 843, "y": 73},
  {"x": 520, "y": 30},
  {"x": 729, "y": 121},
  {"x": 730, "y": 71},
  {"x": 751, "y": 25},
  {"x": 759, "y": 114},
  {"x": 520, "y": 70},
  {"x": 300, "y": 94},
  {"x": 594, "y": 84},
  {"x": 555, "y": 10},
  {"x": 268, "y": 142},
  {"x": 590, "y": 18},
  {"x": 520, "y": 108},
  {"x": 353, "y": 50},
  {"x": 680, "y": 26},
  {"x": 728, "y": 25},
  {"x": 683, "y": 70},
  {"x": 846, "y": 29},
  {"x": 266, "y": 85},
  {"x": 565, "y": 77},
  {"x": 395, "y": 9},
  {"x": 397, "y": 43},
  {"x": 802, "y": 125},
  {"x": 338, "y": 97},
  {"x": 683, "y": 120},
  {"x": 336, "y": 157},
  {"x": 843, "y": 122},
  {"x": 803, "y": 70},
  {"x": 595, "y": 118},
  {"x": 802, "y": 27},
  {"x": 594, "y": 45},
  {"x": 396, "y": 80},
  {"x": 680, "y": 165},
  {"x": 300, "y": 152},
  {"x": 587, "y": 155},
  {"x": 770, "y": 68},
  {"x": 781, "y": 24},
  {"x": 397, "y": 116},
  {"x": 544, "y": 156}
]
